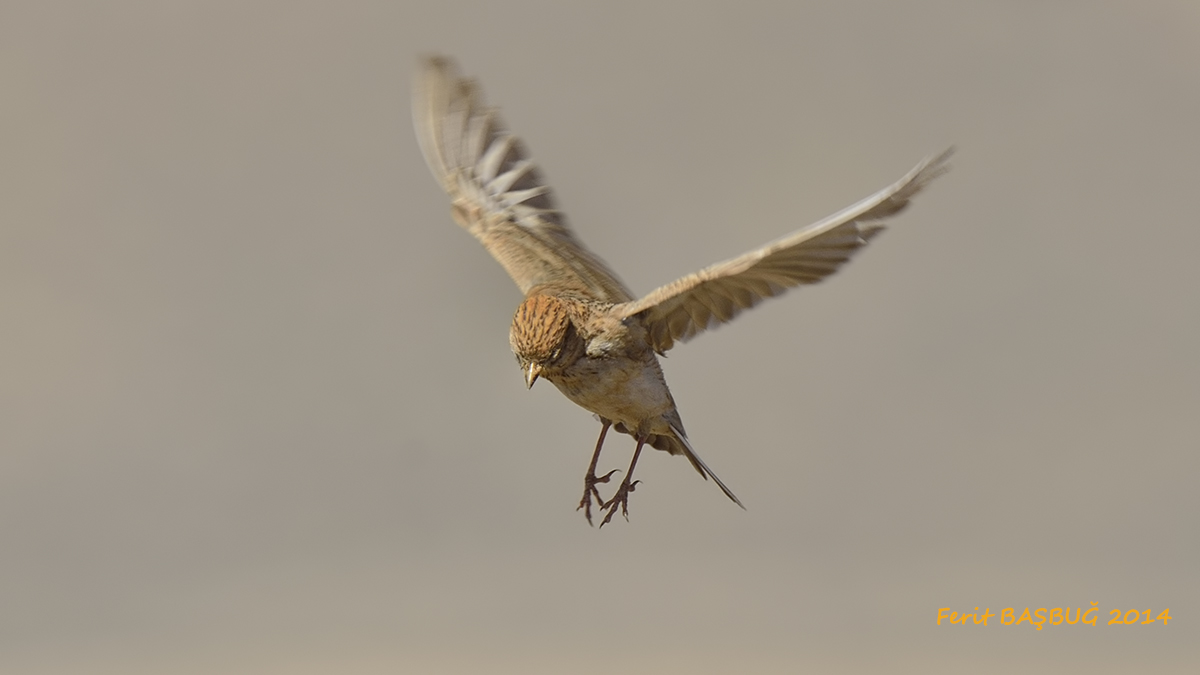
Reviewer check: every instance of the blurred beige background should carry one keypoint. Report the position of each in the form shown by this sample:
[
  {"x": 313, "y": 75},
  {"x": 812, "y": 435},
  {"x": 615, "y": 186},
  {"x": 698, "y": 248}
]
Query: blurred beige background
[{"x": 258, "y": 412}]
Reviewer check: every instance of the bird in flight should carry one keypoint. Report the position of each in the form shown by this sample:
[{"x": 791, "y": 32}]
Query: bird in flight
[{"x": 579, "y": 327}]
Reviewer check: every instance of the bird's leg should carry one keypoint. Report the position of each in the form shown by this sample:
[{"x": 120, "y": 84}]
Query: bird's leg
[
  {"x": 621, "y": 498},
  {"x": 590, "y": 480}
]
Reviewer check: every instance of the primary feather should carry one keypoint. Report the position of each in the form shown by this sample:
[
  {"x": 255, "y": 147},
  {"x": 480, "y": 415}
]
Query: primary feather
[
  {"x": 497, "y": 193},
  {"x": 716, "y": 294}
]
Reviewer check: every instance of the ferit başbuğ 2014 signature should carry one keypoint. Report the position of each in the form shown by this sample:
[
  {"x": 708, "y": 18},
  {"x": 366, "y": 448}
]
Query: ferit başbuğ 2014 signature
[{"x": 1054, "y": 617}]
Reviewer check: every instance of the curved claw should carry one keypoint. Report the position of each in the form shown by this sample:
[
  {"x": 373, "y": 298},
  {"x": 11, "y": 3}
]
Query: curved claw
[
  {"x": 586, "y": 504},
  {"x": 590, "y": 492},
  {"x": 621, "y": 499}
]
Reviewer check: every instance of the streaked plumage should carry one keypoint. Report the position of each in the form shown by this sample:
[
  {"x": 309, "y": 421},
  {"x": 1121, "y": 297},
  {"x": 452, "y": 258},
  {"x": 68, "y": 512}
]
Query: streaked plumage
[{"x": 579, "y": 326}]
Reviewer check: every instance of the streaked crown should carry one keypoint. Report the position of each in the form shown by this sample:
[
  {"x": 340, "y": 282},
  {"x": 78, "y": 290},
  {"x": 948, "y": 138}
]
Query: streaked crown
[{"x": 539, "y": 329}]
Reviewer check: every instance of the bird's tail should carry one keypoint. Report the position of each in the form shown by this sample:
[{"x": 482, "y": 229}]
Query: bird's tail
[{"x": 680, "y": 445}]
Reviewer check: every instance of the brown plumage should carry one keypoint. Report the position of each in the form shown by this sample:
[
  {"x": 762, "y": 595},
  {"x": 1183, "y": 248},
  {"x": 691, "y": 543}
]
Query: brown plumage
[{"x": 579, "y": 327}]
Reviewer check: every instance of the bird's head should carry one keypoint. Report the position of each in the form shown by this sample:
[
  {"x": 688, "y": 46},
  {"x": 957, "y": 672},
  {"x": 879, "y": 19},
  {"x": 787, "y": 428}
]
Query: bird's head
[{"x": 543, "y": 337}]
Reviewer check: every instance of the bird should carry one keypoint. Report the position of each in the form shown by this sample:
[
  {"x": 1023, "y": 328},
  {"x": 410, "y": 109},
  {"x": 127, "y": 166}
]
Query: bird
[{"x": 579, "y": 327}]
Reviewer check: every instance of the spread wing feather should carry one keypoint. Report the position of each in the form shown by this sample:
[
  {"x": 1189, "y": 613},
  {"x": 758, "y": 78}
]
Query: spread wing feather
[
  {"x": 497, "y": 193},
  {"x": 684, "y": 308}
]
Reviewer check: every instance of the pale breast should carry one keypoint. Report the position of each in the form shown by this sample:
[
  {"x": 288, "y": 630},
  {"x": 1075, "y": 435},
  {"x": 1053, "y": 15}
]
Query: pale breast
[{"x": 622, "y": 389}]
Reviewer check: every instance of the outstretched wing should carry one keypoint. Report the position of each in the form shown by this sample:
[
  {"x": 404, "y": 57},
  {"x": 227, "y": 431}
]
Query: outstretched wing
[
  {"x": 682, "y": 309},
  {"x": 496, "y": 192}
]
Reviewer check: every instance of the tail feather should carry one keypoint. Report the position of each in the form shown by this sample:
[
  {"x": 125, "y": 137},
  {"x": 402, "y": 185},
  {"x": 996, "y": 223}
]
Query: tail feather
[
  {"x": 701, "y": 467},
  {"x": 676, "y": 443}
]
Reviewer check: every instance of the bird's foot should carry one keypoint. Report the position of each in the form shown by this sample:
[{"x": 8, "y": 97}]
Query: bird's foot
[
  {"x": 621, "y": 499},
  {"x": 590, "y": 492}
]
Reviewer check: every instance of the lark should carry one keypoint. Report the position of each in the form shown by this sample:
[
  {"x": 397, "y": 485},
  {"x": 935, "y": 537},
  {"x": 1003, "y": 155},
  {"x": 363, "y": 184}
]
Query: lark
[{"x": 579, "y": 327}]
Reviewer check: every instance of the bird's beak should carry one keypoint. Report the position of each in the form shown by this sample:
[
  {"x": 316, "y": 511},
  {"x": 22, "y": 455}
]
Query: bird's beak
[{"x": 531, "y": 374}]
